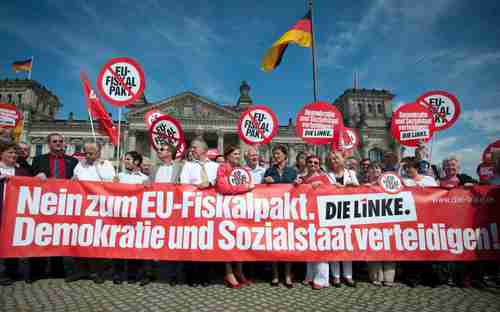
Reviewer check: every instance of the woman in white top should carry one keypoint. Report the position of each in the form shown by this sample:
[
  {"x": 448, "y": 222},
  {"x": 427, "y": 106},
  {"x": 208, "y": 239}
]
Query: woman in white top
[
  {"x": 414, "y": 178},
  {"x": 132, "y": 173},
  {"x": 137, "y": 269},
  {"x": 341, "y": 177},
  {"x": 418, "y": 272}
]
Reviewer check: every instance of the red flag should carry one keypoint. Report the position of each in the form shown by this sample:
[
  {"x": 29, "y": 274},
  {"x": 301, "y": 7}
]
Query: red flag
[{"x": 97, "y": 111}]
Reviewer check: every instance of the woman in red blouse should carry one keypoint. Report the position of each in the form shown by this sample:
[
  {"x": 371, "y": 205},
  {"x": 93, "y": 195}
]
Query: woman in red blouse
[{"x": 231, "y": 180}]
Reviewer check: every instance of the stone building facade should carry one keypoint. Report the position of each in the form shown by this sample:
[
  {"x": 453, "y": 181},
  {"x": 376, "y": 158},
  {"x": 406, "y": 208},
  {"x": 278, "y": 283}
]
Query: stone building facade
[{"x": 366, "y": 110}]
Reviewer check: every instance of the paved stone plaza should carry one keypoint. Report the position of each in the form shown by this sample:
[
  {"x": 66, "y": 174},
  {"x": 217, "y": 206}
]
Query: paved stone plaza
[{"x": 56, "y": 295}]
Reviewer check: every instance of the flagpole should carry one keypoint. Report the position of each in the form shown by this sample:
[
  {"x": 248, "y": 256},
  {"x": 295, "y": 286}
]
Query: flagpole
[
  {"x": 314, "y": 72},
  {"x": 31, "y": 68},
  {"x": 92, "y": 126}
]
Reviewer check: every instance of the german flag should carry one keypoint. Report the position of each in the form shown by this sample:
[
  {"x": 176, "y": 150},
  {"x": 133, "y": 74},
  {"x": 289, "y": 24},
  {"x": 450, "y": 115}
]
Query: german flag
[
  {"x": 300, "y": 34},
  {"x": 22, "y": 65}
]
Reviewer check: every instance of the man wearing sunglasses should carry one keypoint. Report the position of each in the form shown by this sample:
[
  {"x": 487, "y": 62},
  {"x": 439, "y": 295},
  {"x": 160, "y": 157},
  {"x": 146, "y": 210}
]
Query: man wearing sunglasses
[{"x": 54, "y": 164}]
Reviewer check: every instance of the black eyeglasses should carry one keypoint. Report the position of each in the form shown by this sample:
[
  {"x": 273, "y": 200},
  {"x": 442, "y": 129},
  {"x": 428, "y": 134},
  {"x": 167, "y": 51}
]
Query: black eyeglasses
[
  {"x": 57, "y": 141},
  {"x": 313, "y": 162}
]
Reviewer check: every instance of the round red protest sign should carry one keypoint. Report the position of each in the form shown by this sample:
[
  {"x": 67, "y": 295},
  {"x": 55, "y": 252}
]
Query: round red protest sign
[
  {"x": 257, "y": 125},
  {"x": 350, "y": 139},
  {"x": 492, "y": 152},
  {"x": 390, "y": 182},
  {"x": 9, "y": 116},
  {"x": 443, "y": 105},
  {"x": 166, "y": 130},
  {"x": 411, "y": 124},
  {"x": 151, "y": 116},
  {"x": 319, "y": 123},
  {"x": 121, "y": 81},
  {"x": 239, "y": 176}
]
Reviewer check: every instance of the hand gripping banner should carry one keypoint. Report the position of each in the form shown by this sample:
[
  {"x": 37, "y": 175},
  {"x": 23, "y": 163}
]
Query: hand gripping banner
[{"x": 271, "y": 223}]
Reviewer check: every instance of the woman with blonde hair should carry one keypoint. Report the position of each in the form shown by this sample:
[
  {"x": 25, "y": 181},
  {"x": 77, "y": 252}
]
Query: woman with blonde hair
[{"x": 339, "y": 176}]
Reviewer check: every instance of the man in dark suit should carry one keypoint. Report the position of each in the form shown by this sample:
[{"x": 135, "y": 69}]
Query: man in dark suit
[{"x": 54, "y": 164}]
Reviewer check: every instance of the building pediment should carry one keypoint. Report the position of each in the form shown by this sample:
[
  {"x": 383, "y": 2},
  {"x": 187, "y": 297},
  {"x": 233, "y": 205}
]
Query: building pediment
[{"x": 186, "y": 105}]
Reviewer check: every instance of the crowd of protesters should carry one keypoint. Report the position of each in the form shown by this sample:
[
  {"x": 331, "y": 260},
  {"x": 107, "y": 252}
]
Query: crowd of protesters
[{"x": 198, "y": 169}]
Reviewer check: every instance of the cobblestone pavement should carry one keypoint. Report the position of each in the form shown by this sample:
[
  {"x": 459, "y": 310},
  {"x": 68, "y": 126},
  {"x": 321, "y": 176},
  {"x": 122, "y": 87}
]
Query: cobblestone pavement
[{"x": 56, "y": 295}]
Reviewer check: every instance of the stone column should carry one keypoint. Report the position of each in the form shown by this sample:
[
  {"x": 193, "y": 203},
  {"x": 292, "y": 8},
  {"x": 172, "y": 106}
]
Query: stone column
[
  {"x": 291, "y": 154},
  {"x": 131, "y": 144},
  {"x": 220, "y": 142}
]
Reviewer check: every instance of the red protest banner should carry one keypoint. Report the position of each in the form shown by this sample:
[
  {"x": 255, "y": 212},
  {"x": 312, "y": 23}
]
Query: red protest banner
[{"x": 273, "y": 222}]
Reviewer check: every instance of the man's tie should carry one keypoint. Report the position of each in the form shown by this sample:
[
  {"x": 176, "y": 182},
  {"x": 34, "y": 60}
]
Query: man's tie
[
  {"x": 56, "y": 167},
  {"x": 204, "y": 174}
]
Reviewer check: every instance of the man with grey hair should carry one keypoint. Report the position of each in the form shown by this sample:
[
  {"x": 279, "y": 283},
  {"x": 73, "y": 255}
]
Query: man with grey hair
[
  {"x": 23, "y": 153},
  {"x": 92, "y": 168},
  {"x": 252, "y": 161},
  {"x": 201, "y": 172},
  {"x": 452, "y": 176}
]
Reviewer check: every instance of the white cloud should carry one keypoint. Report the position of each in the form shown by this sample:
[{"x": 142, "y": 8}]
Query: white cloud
[{"x": 487, "y": 120}]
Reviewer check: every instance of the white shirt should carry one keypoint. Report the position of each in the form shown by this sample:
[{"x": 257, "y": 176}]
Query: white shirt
[
  {"x": 191, "y": 172},
  {"x": 349, "y": 177},
  {"x": 424, "y": 181},
  {"x": 257, "y": 174},
  {"x": 100, "y": 170},
  {"x": 8, "y": 171},
  {"x": 164, "y": 174},
  {"x": 129, "y": 177}
]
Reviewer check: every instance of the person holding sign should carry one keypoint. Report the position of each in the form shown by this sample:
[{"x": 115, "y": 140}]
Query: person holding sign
[
  {"x": 170, "y": 170},
  {"x": 279, "y": 172},
  {"x": 339, "y": 176},
  {"x": 232, "y": 180},
  {"x": 91, "y": 169}
]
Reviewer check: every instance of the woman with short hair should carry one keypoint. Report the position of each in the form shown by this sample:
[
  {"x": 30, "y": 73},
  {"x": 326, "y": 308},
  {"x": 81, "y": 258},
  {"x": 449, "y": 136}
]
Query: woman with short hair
[
  {"x": 279, "y": 172},
  {"x": 9, "y": 168}
]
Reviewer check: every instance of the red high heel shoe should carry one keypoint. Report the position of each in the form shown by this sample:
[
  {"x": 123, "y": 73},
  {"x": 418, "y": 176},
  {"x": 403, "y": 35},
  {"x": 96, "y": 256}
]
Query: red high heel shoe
[
  {"x": 243, "y": 280},
  {"x": 231, "y": 285}
]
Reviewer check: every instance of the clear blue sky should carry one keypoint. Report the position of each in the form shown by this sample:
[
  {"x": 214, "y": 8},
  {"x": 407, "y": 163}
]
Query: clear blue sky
[{"x": 208, "y": 47}]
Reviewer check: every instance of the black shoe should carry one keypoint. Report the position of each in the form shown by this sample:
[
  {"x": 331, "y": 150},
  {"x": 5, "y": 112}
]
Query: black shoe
[
  {"x": 76, "y": 277},
  {"x": 98, "y": 279},
  {"x": 132, "y": 279},
  {"x": 193, "y": 284},
  {"x": 205, "y": 283},
  {"x": 57, "y": 274},
  {"x": 117, "y": 280},
  {"x": 145, "y": 281},
  {"x": 6, "y": 281}
]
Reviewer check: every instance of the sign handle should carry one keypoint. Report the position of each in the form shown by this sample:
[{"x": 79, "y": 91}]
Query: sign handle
[{"x": 119, "y": 136}]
